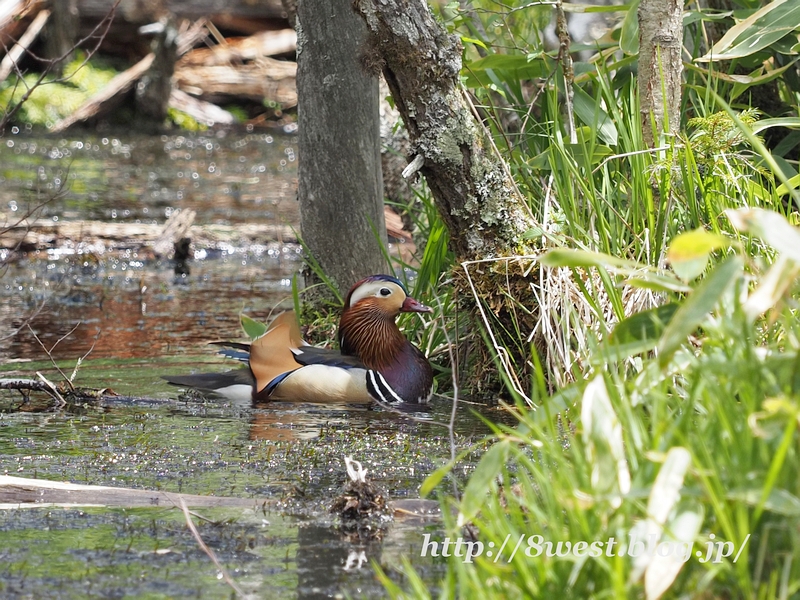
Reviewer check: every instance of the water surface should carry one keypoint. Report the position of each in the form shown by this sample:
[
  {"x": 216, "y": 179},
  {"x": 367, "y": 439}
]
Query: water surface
[{"x": 133, "y": 318}]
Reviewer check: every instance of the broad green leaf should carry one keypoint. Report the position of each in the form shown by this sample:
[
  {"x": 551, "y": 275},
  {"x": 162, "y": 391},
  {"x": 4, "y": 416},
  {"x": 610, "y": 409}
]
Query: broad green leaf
[
  {"x": 667, "y": 487},
  {"x": 602, "y": 436},
  {"x": 695, "y": 309},
  {"x": 771, "y": 227},
  {"x": 688, "y": 252},
  {"x": 772, "y": 287},
  {"x": 779, "y": 501},
  {"x": 629, "y": 36},
  {"x": 638, "y": 333},
  {"x": 761, "y": 29},
  {"x": 655, "y": 281},
  {"x": 507, "y": 67},
  {"x": 598, "y": 154},
  {"x": 481, "y": 480},
  {"x": 594, "y": 116},
  {"x": 559, "y": 402},
  {"x": 583, "y": 258},
  {"x": 680, "y": 533},
  {"x": 469, "y": 40},
  {"x": 790, "y": 122},
  {"x": 759, "y": 79},
  {"x": 783, "y": 189},
  {"x": 432, "y": 480},
  {"x": 252, "y": 328}
]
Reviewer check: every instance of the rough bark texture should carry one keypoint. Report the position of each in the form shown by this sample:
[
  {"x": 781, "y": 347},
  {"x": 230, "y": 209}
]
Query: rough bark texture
[
  {"x": 339, "y": 171},
  {"x": 660, "y": 66},
  {"x": 481, "y": 207}
]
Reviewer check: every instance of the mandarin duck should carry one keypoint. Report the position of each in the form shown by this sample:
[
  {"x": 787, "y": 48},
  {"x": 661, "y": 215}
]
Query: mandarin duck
[{"x": 375, "y": 362}]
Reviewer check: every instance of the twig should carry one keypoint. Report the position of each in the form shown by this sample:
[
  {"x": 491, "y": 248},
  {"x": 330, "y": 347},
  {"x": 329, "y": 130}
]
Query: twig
[
  {"x": 53, "y": 391},
  {"x": 52, "y": 62},
  {"x": 50, "y": 355},
  {"x": 79, "y": 362},
  {"x": 207, "y": 550}
]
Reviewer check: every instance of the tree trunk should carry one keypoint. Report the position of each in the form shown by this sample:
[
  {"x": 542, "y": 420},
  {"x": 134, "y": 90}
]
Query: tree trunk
[
  {"x": 484, "y": 212},
  {"x": 660, "y": 67},
  {"x": 477, "y": 199},
  {"x": 339, "y": 171}
]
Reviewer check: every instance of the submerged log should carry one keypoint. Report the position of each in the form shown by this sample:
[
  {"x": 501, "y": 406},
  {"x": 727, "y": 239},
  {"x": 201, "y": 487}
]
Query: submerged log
[
  {"x": 18, "y": 492},
  {"x": 43, "y": 234}
]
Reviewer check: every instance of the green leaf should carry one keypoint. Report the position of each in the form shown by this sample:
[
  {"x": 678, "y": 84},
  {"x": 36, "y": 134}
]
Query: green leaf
[
  {"x": 469, "y": 40},
  {"x": 688, "y": 253},
  {"x": 639, "y": 332},
  {"x": 594, "y": 116},
  {"x": 582, "y": 258},
  {"x": 655, "y": 281},
  {"x": 772, "y": 287},
  {"x": 252, "y": 328},
  {"x": 771, "y": 227},
  {"x": 432, "y": 480},
  {"x": 790, "y": 122},
  {"x": 681, "y": 531},
  {"x": 602, "y": 437},
  {"x": 507, "y": 67},
  {"x": 629, "y": 36},
  {"x": 695, "y": 309},
  {"x": 482, "y": 478},
  {"x": 761, "y": 29},
  {"x": 779, "y": 500},
  {"x": 783, "y": 189}
]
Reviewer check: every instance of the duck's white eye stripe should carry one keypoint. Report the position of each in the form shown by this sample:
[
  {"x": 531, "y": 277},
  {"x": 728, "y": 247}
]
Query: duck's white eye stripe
[
  {"x": 380, "y": 390},
  {"x": 380, "y": 289}
]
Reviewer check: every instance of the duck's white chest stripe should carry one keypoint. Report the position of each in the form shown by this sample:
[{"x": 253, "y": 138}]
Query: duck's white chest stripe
[{"x": 380, "y": 390}]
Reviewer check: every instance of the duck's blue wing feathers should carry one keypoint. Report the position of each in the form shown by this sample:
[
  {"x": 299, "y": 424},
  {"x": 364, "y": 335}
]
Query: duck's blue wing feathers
[{"x": 311, "y": 355}]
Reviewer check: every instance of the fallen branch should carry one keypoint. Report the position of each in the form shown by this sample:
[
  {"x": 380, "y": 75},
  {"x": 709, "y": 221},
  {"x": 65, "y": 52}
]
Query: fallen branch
[
  {"x": 118, "y": 85},
  {"x": 200, "y": 110},
  {"x": 207, "y": 550},
  {"x": 43, "y": 233},
  {"x": 20, "y": 492},
  {"x": 10, "y": 60}
]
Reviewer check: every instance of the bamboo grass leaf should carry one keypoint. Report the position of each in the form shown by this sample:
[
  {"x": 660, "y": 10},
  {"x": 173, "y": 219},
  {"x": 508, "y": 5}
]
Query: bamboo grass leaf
[
  {"x": 605, "y": 451},
  {"x": 689, "y": 252},
  {"x": 763, "y": 28},
  {"x": 694, "y": 310},
  {"x": 481, "y": 481},
  {"x": 680, "y": 534},
  {"x": 771, "y": 227},
  {"x": 639, "y": 332}
]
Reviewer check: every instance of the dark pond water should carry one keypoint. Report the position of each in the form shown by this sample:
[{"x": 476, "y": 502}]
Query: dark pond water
[{"x": 134, "y": 319}]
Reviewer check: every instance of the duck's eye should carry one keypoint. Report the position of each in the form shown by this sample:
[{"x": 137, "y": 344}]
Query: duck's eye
[{"x": 385, "y": 292}]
